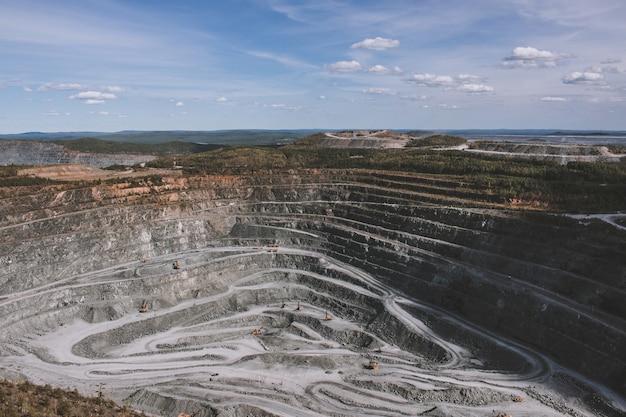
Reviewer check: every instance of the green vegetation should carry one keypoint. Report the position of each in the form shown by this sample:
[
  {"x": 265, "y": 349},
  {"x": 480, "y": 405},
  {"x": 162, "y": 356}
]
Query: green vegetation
[
  {"x": 617, "y": 149},
  {"x": 226, "y": 160},
  {"x": 115, "y": 147},
  {"x": 420, "y": 133},
  {"x": 309, "y": 141},
  {"x": 513, "y": 182},
  {"x": 26, "y": 399},
  {"x": 575, "y": 187},
  {"x": 436, "y": 141},
  {"x": 9, "y": 178},
  {"x": 214, "y": 137},
  {"x": 218, "y": 137}
]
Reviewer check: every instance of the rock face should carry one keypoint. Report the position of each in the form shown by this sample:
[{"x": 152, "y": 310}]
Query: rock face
[{"x": 291, "y": 283}]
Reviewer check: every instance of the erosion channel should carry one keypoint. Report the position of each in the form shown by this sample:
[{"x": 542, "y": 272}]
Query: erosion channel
[{"x": 312, "y": 293}]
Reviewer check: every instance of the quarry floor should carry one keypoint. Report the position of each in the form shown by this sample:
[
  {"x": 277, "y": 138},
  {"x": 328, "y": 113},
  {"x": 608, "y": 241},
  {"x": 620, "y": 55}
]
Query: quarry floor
[{"x": 274, "y": 351}]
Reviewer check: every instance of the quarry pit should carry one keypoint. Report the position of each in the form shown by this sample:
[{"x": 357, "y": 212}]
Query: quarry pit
[{"x": 312, "y": 293}]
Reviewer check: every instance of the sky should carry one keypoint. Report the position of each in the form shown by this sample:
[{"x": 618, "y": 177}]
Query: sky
[{"x": 112, "y": 65}]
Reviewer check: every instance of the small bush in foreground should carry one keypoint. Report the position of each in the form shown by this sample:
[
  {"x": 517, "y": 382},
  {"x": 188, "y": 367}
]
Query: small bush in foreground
[{"x": 26, "y": 399}]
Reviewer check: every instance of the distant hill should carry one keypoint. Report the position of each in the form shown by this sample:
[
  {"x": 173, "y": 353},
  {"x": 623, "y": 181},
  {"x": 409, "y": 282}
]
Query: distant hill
[
  {"x": 92, "y": 145},
  {"x": 533, "y": 132},
  {"x": 216, "y": 137}
]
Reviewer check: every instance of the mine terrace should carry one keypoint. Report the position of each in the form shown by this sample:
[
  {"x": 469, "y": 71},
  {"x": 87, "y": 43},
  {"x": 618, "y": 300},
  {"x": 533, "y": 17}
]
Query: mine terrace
[{"x": 356, "y": 273}]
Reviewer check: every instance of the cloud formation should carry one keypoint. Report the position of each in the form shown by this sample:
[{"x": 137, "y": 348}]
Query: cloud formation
[
  {"x": 59, "y": 87},
  {"x": 382, "y": 70},
  {"x": 551, "y": 98},
  {"x": 376, "y": 44},
  {"x": 474, "y": 88},
  {"x": 464, "y": 83},
  {"x": 345, "y": 66},
  {"x": 431, "y": 80},
  {"x": 93, "y": 97},
  {"x": 529, "y": 57},
  {"x": 585, "y": 78},
  {"x": 380, "y": 91},
  {"x": 54, "y": 113}
]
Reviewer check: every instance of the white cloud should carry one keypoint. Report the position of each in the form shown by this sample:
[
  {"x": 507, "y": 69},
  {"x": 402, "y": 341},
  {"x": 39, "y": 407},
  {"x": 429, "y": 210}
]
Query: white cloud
[
  {"x": 380, "y": 91},
  {"x": 601, "y": 69},
  {"x": 378, "y": 70},
  {"x": 115, "y": 89},
  {"x": 414, "y": 98},
  {"x": 475, "y": 88},
  {"x": 322, "y": 97},
  {"x": 54, "y": 113},
  {"x": 27, "y": 89},
  {"x": 583, "y": 78},
  {"x": 431, "y": 80},
  {"x": 468, "y": 78},
  {"x": 552, "y": 98},
  {"x": 344, "y": 66},
  {"x": 465, "y": 83},
  {"x": 93, "y": 97},
  {"x": 382, "y": 70},
  {"x": 283, "y": 107},
  {"x": 105, "y": 113},
  {"x": 180, "y": 104},
  {"x": 221, "y": 99},
  {"x": 529, "y": 57},
  {"x": 59, "y": 87},
  {"x": 376, "y": 44}
]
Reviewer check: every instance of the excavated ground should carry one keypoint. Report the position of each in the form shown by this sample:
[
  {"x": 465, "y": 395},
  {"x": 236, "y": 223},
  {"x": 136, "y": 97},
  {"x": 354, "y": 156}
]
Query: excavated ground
[{"x": 291, "y": 285}]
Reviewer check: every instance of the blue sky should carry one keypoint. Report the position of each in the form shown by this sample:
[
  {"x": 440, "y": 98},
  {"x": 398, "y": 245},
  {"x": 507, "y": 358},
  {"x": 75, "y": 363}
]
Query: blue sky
[{"x": 109, "y": 65}]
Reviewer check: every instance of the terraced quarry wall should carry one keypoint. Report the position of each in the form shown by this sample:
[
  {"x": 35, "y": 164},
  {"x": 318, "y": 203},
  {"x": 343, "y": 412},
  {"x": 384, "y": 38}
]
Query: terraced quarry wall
[{"x": 440, "y": 293}]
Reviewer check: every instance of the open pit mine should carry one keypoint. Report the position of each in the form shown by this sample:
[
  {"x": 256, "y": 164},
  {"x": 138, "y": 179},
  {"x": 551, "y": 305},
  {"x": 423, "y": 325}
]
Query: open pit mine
[{"x": 312, "y": 293}]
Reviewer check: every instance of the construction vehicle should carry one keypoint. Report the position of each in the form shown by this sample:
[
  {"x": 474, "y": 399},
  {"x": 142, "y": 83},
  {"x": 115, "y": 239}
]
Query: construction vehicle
[
  {"x": 327, "y": 317},
  {"x": 176, "y": 265},
  {"x": 373, "y": 365},
  {"x": 256, "y": 331},
  {"x": 144, "y": 308}
]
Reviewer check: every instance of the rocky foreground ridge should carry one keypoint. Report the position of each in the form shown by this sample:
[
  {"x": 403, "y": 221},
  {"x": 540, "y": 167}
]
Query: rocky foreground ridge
[{"x": 332, "y": 269}]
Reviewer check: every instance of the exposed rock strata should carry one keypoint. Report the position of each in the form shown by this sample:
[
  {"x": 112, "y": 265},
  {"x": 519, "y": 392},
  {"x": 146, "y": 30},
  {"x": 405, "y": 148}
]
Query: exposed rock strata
[{"x": 550, "y": 289}]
